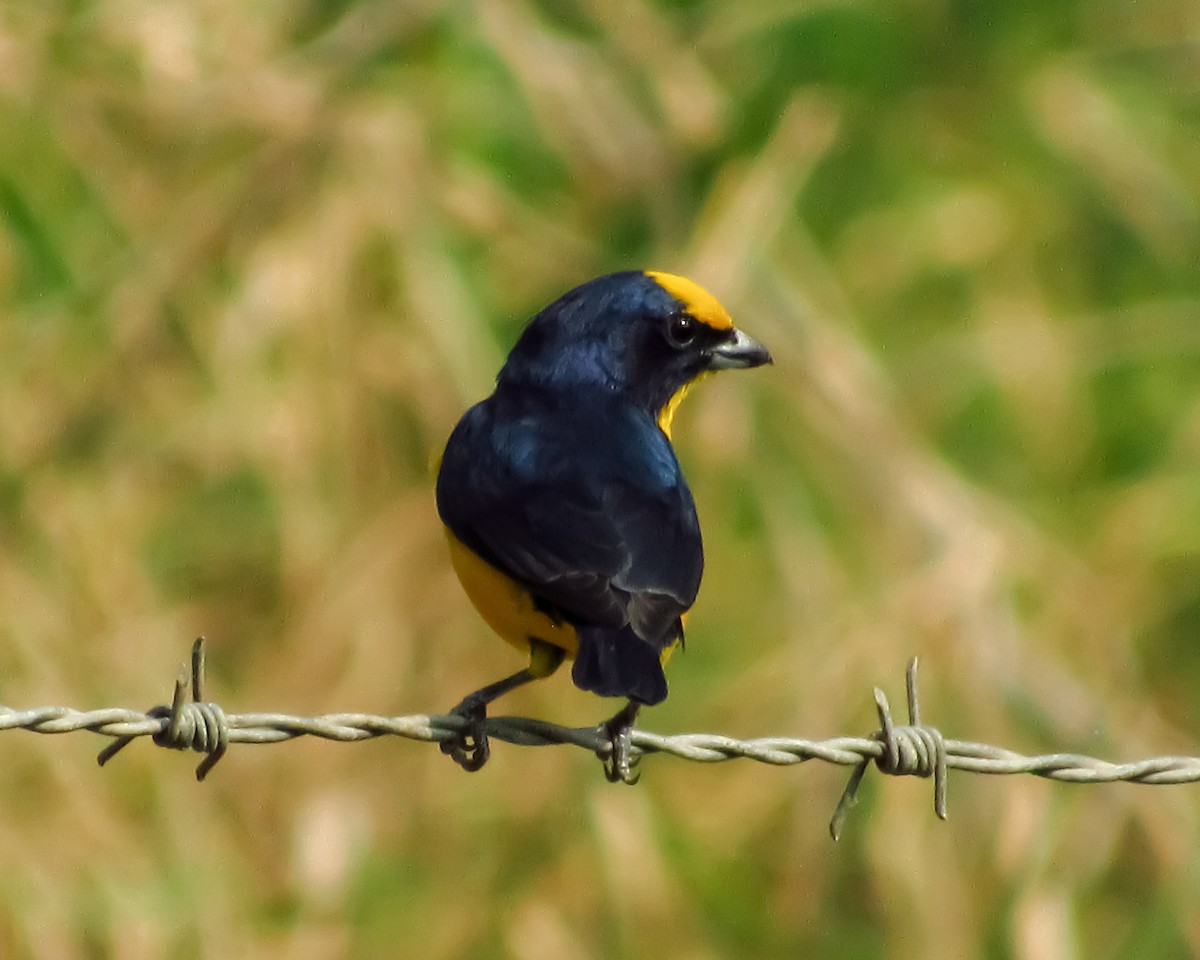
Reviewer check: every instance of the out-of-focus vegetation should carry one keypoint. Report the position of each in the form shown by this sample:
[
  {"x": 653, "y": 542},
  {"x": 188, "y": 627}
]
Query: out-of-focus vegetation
[{"x": 256, "y": 258}]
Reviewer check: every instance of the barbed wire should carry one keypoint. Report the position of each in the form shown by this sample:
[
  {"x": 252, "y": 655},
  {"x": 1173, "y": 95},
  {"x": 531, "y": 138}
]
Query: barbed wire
[{"x": 912, "y": 749}]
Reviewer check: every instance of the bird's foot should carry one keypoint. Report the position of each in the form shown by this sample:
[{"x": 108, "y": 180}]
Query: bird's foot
[
  {"x": 620, "y": 764},
  {"x": 469, "y": 747}
]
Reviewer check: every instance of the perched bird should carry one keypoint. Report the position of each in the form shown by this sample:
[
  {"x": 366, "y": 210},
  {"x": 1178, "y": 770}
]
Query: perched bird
[{"x": 569, "y": 521}]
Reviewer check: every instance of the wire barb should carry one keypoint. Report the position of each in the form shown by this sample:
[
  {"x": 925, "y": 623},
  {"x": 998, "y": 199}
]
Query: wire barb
[
  {"x": 914, "y": 750},
  {"x": 185, "y": 724}
]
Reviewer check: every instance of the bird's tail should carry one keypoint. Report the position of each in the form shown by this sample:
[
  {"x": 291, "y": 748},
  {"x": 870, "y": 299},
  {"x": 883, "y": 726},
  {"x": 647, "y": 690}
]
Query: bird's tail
[{"x": 619, "y": 663}]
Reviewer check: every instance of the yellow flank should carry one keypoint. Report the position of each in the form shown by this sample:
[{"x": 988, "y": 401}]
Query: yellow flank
[
  {"x": 508, "y": 607},
  {"x": 697, "y": 301}
]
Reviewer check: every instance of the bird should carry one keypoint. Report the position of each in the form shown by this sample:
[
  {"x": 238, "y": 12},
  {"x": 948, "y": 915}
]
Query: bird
[{"x": 569, "y": 522}]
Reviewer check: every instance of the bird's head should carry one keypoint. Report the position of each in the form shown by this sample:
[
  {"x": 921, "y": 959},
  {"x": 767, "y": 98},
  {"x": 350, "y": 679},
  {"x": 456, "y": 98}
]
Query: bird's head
[{"x": 644, "y": 335}]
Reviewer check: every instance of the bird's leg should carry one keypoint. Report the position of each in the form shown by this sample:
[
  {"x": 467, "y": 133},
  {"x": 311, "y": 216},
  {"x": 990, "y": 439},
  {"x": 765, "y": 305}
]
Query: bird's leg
[
  {"x": 469, "y": 747},
  {"x": 620, "y": 763}
]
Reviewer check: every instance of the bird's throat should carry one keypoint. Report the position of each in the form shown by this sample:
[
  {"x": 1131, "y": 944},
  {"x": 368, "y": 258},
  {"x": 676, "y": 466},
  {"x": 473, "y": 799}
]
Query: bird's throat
[{"x": 666, "y": 415}]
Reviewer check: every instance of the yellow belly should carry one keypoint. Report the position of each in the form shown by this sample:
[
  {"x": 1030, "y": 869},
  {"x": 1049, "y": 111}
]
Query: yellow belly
[
  {"x": 669, "y": 651},
  {"x": 506, "y": 606}
]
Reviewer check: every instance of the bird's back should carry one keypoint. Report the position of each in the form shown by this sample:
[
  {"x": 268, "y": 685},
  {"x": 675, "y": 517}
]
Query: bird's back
[{"x": 578, "y": 498}]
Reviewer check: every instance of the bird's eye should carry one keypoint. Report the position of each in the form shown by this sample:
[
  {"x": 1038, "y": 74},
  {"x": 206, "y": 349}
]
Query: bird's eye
[{"x": 681, "y": 330}]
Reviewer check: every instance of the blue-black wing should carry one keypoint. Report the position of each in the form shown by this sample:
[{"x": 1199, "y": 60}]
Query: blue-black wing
[{"x": 586, "y": 508}]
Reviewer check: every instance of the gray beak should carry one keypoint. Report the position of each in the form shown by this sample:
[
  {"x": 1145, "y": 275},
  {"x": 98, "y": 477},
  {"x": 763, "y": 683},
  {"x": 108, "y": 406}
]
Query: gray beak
[{"x": 740, "y": 353}]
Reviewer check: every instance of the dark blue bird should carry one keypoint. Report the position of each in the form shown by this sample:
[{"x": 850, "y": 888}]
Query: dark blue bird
[{"x": 569, "y": 521}]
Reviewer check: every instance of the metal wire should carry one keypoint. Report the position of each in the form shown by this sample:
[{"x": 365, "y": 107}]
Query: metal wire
[{"x": 914, "y": 749}]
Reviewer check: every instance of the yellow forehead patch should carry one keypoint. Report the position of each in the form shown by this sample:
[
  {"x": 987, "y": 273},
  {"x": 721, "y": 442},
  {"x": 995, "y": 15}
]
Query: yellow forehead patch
[{"x": 697, "y": 301}]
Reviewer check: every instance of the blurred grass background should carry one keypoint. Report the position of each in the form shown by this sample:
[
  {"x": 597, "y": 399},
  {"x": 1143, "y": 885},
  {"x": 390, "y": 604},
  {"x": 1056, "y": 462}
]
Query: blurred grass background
[{"x": 256, "y": 258}]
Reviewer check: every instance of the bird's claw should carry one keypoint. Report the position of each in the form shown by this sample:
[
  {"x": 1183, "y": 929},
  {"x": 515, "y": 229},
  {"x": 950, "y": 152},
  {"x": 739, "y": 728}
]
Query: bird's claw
[
  {"x": 469, "y": 747},
  {"x": 620, "y": 763}
]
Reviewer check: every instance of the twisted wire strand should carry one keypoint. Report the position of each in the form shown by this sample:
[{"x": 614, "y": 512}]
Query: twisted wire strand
[
  {"x": 915, "y": 749},
  {"x": 527, "y": 732}
]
